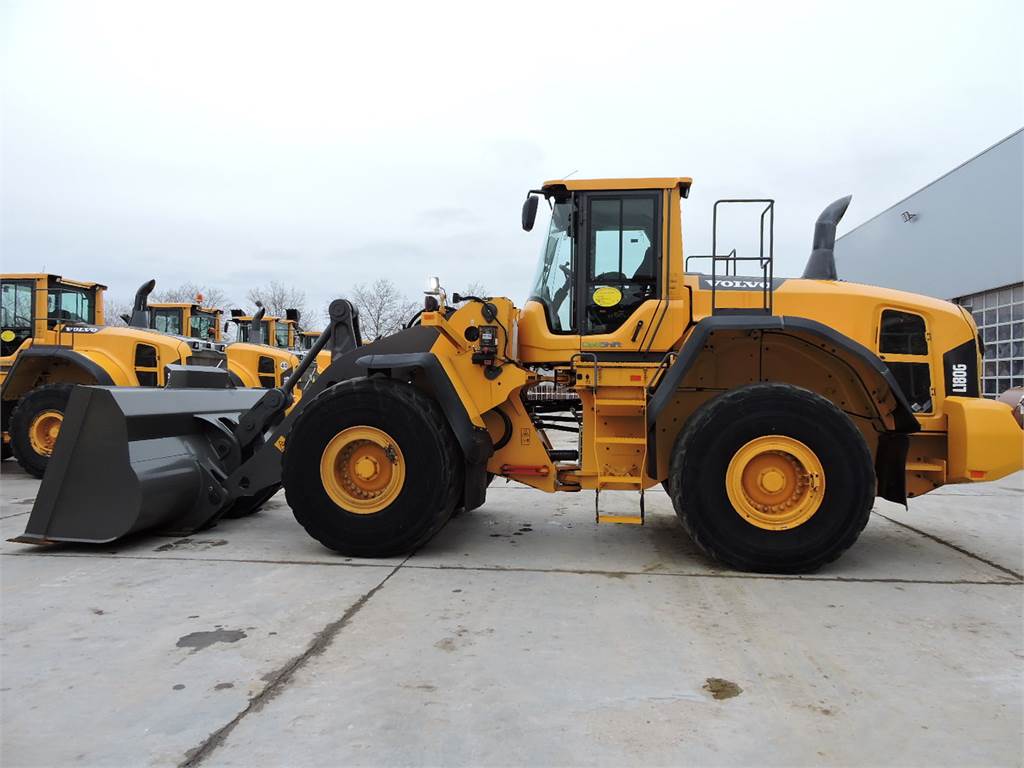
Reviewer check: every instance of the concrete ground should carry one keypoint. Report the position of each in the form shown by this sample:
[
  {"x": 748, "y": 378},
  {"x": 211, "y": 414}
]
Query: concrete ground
[{"x": 522, "y": 635}]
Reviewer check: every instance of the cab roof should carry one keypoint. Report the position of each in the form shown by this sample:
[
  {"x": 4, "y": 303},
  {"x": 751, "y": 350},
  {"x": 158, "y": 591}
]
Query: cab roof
[
  {"x": 183, "y": 305},
  {"x": 248, "y": 319},
  {"x": 668, "y": 182},
  {"x": 58, "y": 278}
]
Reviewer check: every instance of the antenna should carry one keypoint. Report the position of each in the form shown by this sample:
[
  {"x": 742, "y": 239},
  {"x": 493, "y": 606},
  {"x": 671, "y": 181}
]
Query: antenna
[{"x": 572, "y": 173}]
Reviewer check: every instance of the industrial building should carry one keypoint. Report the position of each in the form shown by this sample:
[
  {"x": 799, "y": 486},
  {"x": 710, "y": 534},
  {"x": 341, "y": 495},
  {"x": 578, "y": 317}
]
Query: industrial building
[{"x": 961, "y": 238}]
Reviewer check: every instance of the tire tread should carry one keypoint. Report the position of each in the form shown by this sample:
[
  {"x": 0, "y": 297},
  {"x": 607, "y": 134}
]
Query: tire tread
[{"x": 739, "y": 399}]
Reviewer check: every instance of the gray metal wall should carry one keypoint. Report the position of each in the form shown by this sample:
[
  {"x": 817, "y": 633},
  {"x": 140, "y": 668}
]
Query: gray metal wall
[{"x": 968, "y": 234}]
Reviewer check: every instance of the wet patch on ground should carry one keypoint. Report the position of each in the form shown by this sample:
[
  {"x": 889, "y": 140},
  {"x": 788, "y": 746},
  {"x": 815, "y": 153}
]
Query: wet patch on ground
[
  {"x": 719, "y": 688},
  {"x": 197, "y": 641}
]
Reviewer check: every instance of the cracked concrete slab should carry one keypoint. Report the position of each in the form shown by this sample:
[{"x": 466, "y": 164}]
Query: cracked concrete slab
[
  {"x": 559, "y": 669},
  {"x": 121, "y": 662},
  {"x": 523, "y": 634}
]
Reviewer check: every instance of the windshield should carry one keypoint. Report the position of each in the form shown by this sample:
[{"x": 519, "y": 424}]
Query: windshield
[
  {"x": 244, "y": 335},
  {"x": 307, "y": 341},
  {"x": 167, "y": 321},
  {"x": 75, "y": 305},
  {"x": 203, "y": 325},
  {"x": 282, "y": 335},
  {"x": 553, "y": 283}
]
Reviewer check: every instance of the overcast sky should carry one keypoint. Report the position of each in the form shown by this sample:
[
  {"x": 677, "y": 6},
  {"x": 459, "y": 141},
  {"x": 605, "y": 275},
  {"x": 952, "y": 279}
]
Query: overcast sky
[{"x": 325, "y": 145}]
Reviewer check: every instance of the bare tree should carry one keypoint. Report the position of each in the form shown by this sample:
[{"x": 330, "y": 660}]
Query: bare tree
[
  {"x": 383, "y": 308},
  {"x": 187, "y": 293},
  {"x": 113, "y": 309},
  {"x": 277, "y": 297}
]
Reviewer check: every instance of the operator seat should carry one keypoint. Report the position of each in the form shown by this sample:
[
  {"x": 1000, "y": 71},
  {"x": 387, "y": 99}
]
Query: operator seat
[{"x": 645, "y": 272}]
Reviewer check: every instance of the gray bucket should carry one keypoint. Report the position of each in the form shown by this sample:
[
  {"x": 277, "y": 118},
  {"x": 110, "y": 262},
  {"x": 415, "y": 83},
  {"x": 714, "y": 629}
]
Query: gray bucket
[{"x": 134, "y": 459}]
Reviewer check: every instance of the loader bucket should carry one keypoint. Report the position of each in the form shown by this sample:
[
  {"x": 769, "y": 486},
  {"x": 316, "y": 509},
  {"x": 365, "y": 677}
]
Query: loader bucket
[{"x": 135, "y": 459}]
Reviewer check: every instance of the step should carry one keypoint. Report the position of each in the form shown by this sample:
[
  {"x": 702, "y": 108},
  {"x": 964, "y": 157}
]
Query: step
[
  {"x": 622, "y": 440},
  {"x": 621, "y": 519},
  {"x": 616, "y": 403},
  {"x": 925, "y": 466}
]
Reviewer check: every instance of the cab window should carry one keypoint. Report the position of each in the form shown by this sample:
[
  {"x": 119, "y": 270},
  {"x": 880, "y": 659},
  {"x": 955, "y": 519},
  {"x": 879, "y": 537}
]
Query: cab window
[
  {"x": 167, "y": 321},
  {"x": 65, "y": 304},
  {"x": 553, "y": 284},
  {"x": 203, "y": 325},
  {"x": 15, "y": 315},
  {"x": 282, "y": 335},
  {"x": 622, "y": 259}
]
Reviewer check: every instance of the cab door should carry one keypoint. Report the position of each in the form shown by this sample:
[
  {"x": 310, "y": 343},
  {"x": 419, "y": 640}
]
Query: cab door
[
  {"x": 620, "y": 277},
  {"x": 18, "y": 312}
]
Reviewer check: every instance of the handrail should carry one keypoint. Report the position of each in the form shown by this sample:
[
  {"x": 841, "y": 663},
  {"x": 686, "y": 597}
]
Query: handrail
[{"x": 732, "y": 259}]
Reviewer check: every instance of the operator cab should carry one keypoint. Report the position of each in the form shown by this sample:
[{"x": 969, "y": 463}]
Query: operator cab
[
  {"x": 189, "y": 320},
  {"x": 621, "y": 255},
  {"x": 602, "y": 278},
  {"x": 24, "y": 315}
]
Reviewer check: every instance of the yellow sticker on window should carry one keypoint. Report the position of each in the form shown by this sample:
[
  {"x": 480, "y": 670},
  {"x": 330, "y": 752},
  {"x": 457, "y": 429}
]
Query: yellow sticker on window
[
  {"x": 607, "y": 296},
  {"x": 7, "y": 335}
]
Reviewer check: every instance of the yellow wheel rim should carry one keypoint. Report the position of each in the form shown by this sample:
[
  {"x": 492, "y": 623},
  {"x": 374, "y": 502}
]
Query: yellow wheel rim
[
  {"x": 775, "y": 482},
  {"x": 362, "y": 470},
  {"x": 43, "y": 431}
]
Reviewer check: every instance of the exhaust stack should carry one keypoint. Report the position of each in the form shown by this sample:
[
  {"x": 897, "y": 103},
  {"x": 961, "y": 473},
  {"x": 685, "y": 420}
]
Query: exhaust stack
[
  {"x": 140, "y": 309},
  {"x": 822, "y": 263}
]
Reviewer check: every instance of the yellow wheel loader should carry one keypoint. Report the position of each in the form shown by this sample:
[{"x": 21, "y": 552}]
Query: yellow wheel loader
[
  {"x": 306, "y": 341},
  {"x": 280, "y": 332},
  {"x": 52, "y": 337},
  {"x": 772, "y": 410},
  {"x": 252, "y": 363}
]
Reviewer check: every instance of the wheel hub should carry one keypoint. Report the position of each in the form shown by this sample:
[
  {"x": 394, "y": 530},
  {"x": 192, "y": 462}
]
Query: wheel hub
[
  {"x": 362, "y": 470},
  {"x": 775, "y": 482},
  {"x": 43, "y": 431},
  {"x": 366, "y": 468}
]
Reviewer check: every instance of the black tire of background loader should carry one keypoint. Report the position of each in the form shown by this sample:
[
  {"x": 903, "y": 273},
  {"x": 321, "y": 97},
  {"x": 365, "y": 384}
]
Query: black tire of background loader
[
  {"x": 433, "y": 468},
  {"x": 721, "y": 426},
  {"x": 238, "y": 511},
  {"x": 49, "y": 397}
]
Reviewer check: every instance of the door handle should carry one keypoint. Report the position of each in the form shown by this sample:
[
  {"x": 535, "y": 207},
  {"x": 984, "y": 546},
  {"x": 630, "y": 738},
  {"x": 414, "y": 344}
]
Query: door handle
[{"x": 636, "y": 331}]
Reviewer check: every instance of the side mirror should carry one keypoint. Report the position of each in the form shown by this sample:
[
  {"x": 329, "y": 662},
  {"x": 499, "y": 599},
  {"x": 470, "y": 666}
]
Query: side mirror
[
  {"x": 530, "y": 212},
  {"x": 227, "y": 327}
]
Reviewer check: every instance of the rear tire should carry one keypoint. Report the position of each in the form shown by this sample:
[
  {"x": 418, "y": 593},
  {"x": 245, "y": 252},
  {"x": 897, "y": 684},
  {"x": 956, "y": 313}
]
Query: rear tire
[
  {"x": 706, "y": 487},
  {"x": 32, "y": 440},
  {"x": 427, "y": 457}
]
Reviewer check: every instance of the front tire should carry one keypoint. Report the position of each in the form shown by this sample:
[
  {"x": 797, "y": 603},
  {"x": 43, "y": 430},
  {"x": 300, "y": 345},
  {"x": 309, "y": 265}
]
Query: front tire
[
  {"x": 772, "y": 478},
  {"x": 371, "y": 468},
  {"x": 35, "y": 425}
]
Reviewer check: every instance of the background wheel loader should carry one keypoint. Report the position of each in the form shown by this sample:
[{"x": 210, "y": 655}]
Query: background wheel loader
[
  {"x": 52, "y": 337},
  {"x": 279, "y": 332},
  {"x": 773, "y": 410},
  {"x": 252, "y": 363}
]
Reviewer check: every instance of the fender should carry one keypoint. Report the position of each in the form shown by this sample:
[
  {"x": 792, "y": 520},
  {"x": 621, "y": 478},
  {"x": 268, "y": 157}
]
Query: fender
[
  {"x": 41, "y": 353},
  {"x": 903, "y": 417},
  {"x": 890, "y": 459},
  {"x": 475, "y": 442},
  {"x": 393, "y": 355}
]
